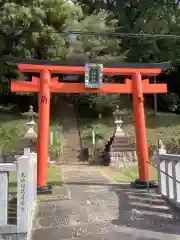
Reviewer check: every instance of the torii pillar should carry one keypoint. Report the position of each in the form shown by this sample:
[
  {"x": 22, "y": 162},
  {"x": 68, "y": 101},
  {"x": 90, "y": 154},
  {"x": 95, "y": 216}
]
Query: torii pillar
[
  {"x": 43, "y": 128},
  {"x": 135, "y": 86},
  {"x": 140, "y": 128}
]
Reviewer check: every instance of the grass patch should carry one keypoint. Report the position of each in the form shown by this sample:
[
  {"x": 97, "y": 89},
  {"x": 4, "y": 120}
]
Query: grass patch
[
  {"x": 55, "y": 179},
  {"x": 127, "y": 174},
  {"x": 11, "y": 132},
  {"x": 54, "y": 175}
]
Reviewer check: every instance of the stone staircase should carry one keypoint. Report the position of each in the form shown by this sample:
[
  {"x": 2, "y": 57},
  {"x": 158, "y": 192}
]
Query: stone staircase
[
  {"x": 121, "y": 143},
  {"x": 71, "y": 150},
  {"x": 122, "y": 152}
]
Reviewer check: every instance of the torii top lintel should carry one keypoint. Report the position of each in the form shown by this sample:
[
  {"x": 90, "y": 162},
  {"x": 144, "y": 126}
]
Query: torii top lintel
[{"x": 123, "y": 69}]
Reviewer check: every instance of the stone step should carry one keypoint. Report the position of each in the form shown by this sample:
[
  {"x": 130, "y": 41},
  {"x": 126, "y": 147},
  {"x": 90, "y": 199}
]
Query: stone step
[
  {"x": 70, "y": 152},
  {"x": 122, "y": 149},
  {"x": 71, "y": 139},
  {"x": 121, "y": 142},
  {"x": 68, "y": 149},
  {"x": 91, "y": 213},
  {"x": 76, "y": 141},
  {"x": 66, "y": 232},
  {"x": 70, "y": 159},
  {"x": 125, "y": 145},
  {"x": 71, "y": 145},
  {"x": 72, "y": 156},
  {"x": 70, "y": 136},
  {"x": 75, "y": 136},
  {"x": 121, "y": 137},
  {"x": 69, "y": 155},
  {"x": 71, "y": 149},
  {"x": 74, "y": 159},
  {"x": 71, "y": 130},
  {"x": 53, "y": 228}
]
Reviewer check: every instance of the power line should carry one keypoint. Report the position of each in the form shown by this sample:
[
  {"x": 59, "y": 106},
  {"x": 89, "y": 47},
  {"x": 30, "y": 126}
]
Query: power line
[{"x": 88, "y": 33}]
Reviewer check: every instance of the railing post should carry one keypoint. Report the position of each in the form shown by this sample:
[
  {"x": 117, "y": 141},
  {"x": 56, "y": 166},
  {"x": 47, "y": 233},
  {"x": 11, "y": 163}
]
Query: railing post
[
  {"x": 177, "y": 177},
  {"x": 160, "y": 166},
  {"x": 3, "y": 198},
  {"x": 170, "y": 180},
  {"x": 22, "y": 194}
]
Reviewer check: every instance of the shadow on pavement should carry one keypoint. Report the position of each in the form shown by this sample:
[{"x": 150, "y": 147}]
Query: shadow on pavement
[{"x": 141, "y": 210}]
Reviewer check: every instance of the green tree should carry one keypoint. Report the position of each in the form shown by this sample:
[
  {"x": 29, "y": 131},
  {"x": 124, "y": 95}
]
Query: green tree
[
  {"x": 148, "y": 16},
  {"x": 42, "y": 22},
  {"x": 95, "y": 48},
  {"x": 31, "y": 29}
]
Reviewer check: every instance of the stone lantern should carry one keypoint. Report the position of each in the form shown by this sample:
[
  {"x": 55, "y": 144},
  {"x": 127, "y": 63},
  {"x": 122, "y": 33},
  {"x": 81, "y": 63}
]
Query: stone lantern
[
  {"x": 117, "y": 114},
  {"x": 30, "y": 133}
]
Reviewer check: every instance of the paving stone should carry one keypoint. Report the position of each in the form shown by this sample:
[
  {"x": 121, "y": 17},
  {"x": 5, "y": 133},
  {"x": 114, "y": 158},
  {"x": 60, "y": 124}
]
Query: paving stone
[
  {"x": 96, "y": 201},
  {"x": 51, "y": 234},
  {"x": 54, "y": 210},
  {"x": 140, "y": 222},
  {"x": 53, "y": 221},
  {"x": 78, "y": 216},
  {"x": 114, "y": 236},
  {"x": 68, "y": 232},
  {"x": 93, "y": 229}
]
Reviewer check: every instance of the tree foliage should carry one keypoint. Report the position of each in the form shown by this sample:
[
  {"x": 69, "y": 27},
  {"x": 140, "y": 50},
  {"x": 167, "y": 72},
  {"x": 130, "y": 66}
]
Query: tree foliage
[{"x": 95, "y": 48}]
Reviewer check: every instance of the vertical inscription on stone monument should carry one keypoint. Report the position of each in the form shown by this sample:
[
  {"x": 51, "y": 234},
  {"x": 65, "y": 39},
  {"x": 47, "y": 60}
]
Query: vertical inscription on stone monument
[{"x": 22, "y": 192}]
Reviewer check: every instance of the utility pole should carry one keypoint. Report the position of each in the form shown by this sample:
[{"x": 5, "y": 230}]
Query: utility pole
[{"x": 155, "y": 100}]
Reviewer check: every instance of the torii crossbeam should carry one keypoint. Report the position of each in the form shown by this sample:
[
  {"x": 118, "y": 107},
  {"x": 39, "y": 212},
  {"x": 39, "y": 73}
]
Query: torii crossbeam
[{"x": 135, "y": 86}]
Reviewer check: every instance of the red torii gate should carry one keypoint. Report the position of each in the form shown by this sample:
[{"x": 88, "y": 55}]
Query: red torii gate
[{"x": 136, "y": 86}]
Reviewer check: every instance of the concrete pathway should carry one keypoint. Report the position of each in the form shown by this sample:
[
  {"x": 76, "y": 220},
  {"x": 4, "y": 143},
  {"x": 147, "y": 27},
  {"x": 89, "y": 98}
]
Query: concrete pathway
[{"x": 100, "y": 209}]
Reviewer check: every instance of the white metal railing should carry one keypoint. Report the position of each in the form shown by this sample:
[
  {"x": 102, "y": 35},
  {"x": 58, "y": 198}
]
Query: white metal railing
[
  {"x": 168, "y": 166},
  {"x": 26, "y": 174}
]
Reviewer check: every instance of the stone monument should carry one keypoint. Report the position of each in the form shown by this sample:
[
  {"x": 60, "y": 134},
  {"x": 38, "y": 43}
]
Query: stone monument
[{"x": 30, "y": 133}]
